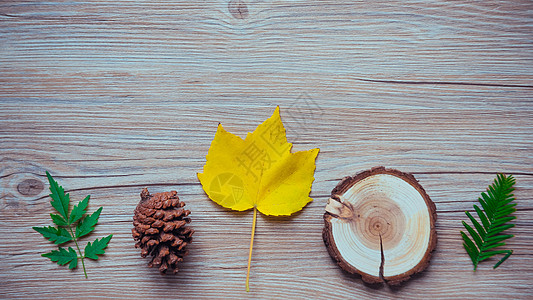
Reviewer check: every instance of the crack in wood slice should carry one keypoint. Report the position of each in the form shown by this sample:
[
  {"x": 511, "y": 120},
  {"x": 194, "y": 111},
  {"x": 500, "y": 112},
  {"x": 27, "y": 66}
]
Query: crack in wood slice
[
  {"x": 380, "y": 224},
  {"x": 382, "y": 263}
]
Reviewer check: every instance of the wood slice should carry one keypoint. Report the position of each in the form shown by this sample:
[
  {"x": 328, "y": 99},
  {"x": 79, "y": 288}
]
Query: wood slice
[{"x": 380, "y": 224}]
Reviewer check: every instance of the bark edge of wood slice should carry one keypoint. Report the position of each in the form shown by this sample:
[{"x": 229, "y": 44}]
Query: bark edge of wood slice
[{"x": 369, "y": 224}]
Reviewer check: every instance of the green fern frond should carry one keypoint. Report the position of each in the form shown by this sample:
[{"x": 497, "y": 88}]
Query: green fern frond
[{"x": 487, "y": 235}]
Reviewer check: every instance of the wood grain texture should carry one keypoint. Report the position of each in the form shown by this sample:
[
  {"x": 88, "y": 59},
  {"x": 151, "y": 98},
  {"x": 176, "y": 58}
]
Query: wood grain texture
[{"x": 113, "y": 96}]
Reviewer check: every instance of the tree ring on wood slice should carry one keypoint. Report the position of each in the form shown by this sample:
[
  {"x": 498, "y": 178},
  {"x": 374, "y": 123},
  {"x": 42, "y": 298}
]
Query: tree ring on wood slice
[{"x": 380, "y": 224}]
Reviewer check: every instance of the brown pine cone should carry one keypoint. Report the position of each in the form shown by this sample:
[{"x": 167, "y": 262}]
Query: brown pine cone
[{"x": 159, "y": 229}]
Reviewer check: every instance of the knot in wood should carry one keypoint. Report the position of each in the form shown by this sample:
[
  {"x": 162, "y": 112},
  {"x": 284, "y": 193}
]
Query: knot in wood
[
  {"x": 340, "y": 209},
  {"x": 30, "y": 187},
  {"x": 238, "y": 9}
]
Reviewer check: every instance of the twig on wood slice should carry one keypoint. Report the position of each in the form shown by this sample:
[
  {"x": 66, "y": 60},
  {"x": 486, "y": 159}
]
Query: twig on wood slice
[{"x": 380, "y": 224}]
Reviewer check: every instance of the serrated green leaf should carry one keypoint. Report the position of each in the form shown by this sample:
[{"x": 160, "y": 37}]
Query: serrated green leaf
[
  {"x": 60, "y": 201},
  {"x": 58, "y": 220},
  {"x": 56, "y": 235},
  {"x": 73, "y": 264},
  {"x": 79, "y": 210},
  {"x": 97, "y": 247},
  {"x": 63, "y": 257},
  {"x": 86, "y": 225}
]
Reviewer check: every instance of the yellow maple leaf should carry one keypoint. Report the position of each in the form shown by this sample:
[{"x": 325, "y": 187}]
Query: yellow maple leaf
[{"x": 259, "y": 172}]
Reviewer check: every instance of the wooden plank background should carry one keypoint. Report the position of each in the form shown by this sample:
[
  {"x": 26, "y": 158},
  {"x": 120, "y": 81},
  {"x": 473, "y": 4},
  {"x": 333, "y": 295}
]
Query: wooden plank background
[{"x": 114, "y": 96}]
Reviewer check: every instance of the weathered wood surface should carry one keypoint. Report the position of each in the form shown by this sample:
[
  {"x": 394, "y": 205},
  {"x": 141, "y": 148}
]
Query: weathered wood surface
[{"x": 113, "y": 96}]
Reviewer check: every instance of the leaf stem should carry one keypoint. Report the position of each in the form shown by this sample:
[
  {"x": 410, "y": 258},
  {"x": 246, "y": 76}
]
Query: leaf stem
[
  {"x": 250, "y": 253},
  {"x": 79, "y": 251}
]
